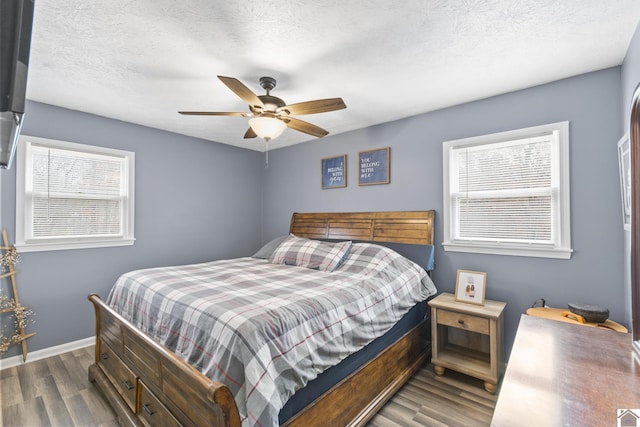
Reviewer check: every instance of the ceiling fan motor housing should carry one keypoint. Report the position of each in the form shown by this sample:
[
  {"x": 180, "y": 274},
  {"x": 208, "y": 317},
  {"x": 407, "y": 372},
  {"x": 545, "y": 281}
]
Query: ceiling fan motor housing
[
  {"x": 267, "y": 83},
  {"x": 271, "y": 102}
]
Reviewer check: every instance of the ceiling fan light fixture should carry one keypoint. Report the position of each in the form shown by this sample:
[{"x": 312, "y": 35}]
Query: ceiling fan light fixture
[{"x": 267, "y": 127}]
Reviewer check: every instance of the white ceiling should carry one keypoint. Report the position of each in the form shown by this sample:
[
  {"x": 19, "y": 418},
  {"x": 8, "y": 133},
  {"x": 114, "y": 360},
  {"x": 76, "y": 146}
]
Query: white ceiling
[{"x": 141, "y": 61}]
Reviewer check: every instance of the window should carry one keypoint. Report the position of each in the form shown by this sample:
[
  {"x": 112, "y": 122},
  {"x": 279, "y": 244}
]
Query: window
[
  {"x": 71, "y": 196},
  {"x": 508, "y": 193}
]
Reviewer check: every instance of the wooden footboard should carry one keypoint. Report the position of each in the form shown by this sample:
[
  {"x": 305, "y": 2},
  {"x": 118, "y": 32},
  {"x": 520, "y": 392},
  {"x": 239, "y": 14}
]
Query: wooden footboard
[{"x": 146, "y": 384}]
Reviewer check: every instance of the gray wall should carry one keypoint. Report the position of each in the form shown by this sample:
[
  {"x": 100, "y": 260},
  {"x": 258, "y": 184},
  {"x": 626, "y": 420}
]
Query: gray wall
[
  {"x": 590, "y": 102},
  {"x": 630, "y": 80},
  {"x": 195, "y": 201}
]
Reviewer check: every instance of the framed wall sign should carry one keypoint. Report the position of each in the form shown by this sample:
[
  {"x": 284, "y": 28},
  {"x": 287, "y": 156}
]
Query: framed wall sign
[
  {"x": 333, "y": 171},
  {"x": 624, "y": 163},
  {"x": 471, "y": 286},
  {"x": 374, "y": 166}
]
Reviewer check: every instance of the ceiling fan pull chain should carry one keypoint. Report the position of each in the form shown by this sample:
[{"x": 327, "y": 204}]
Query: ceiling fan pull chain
[{"x": 266, "y": 153}]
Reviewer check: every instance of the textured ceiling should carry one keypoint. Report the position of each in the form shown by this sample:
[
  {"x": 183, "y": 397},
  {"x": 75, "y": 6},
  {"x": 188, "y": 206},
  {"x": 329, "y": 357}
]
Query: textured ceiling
[{"x": 141, "y": 61}]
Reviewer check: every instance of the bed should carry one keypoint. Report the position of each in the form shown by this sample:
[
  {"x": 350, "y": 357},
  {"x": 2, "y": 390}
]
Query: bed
[{"x": 148, "y": 384}]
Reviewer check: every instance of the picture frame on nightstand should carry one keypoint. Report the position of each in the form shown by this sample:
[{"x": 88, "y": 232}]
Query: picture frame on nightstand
[{"x": 471, "y": 286}]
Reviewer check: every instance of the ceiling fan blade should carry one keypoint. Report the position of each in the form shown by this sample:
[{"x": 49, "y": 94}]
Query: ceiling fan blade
[
  {"x": 250, "y": 133},
  {"x": 305, "y": 127},
  {"x": 314, "y": 107},
  {"x": 242, "y": 91},
  {"x": 214, "y": 113}
]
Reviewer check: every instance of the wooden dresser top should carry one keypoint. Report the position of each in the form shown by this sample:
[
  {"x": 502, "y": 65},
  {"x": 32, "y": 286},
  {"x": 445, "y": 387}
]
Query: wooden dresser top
[{"x": 570, "y": 375}]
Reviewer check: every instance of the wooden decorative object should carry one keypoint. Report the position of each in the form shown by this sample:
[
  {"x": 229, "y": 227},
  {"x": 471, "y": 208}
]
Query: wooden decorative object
[
  {"x": 138, "y": 376},
  {"x": 19, "y": 310}
]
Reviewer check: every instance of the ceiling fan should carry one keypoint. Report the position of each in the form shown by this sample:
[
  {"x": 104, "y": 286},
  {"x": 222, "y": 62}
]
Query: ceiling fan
[{"x": 270, "y": 115}]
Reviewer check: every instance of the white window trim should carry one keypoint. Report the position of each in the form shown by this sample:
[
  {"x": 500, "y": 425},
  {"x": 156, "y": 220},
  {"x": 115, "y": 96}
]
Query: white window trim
[
  {"x": 23, "y": 245},
  {"x": 561, "y": 250}
]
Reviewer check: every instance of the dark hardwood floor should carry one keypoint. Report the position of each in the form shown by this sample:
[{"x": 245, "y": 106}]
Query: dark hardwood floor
[
  {"x": 56, "y": 392},
  {"x": 53, "y": 392}
]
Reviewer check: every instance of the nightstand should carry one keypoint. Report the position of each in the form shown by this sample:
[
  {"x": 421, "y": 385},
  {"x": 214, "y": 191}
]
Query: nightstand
[{"x": 468, "y": 338}]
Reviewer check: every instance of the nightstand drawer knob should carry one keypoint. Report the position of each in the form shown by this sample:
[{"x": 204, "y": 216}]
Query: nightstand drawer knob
[
  {"x": 127, "y": 385},
  {"x": 460, "y": 321}
]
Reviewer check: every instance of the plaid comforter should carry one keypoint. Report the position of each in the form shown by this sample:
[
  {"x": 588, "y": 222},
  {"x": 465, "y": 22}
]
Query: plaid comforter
[{"x": 266, "y": 330}]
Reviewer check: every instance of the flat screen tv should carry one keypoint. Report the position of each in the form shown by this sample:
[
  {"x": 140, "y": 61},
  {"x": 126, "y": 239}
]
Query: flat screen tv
[{"x": 16, "y": 21}]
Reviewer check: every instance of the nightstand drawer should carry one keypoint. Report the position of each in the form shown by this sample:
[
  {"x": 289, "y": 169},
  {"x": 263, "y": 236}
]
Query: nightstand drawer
[{"x": 463, "y": 321}]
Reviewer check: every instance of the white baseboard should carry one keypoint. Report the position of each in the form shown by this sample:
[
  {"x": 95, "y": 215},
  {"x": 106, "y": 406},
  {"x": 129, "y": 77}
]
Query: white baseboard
[{"x": 32, "y": 356}]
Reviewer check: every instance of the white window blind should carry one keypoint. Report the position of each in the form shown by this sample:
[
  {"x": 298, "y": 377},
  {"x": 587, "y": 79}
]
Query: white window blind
[
  {"x": 508, "y": 193},
  {"x": 73, "y": 196}
]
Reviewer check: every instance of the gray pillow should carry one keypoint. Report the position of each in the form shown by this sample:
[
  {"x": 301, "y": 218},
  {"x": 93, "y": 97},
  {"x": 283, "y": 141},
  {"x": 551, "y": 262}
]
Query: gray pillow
[{"x": 266, "y": 251}]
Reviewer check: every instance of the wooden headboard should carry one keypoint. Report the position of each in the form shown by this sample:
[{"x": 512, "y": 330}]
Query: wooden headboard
[{"x": 411, "y": 227}]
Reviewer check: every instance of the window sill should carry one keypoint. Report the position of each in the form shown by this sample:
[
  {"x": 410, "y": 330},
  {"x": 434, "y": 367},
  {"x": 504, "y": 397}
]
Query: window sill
[
  {"x": 539, "y": 252},
  {"x": 58, "y": 246}
]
